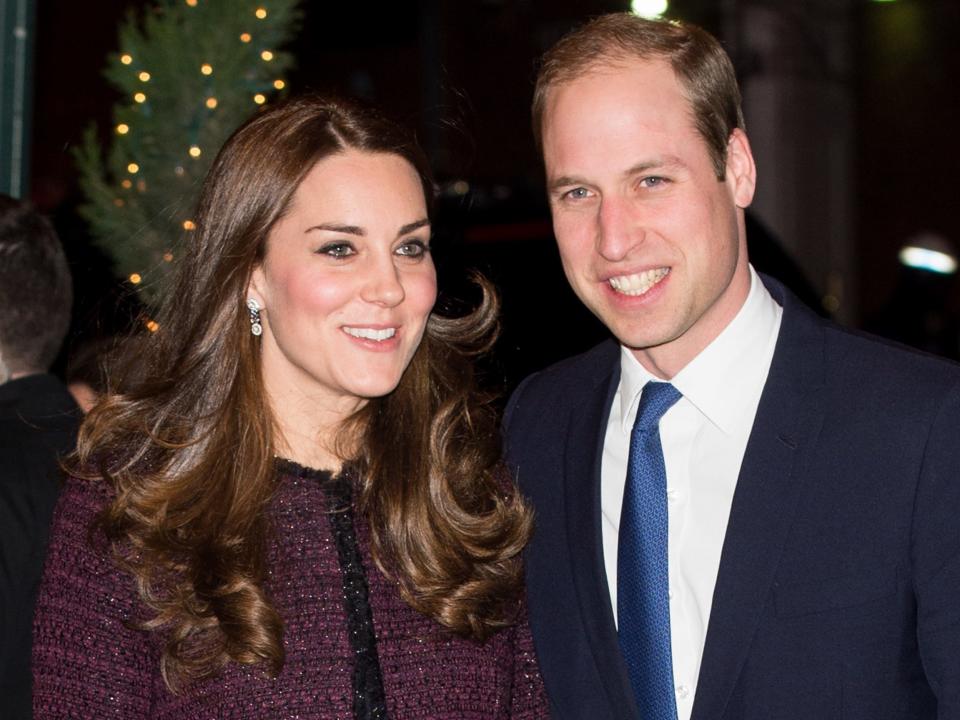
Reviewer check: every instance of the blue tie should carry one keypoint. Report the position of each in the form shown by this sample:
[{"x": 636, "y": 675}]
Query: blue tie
[{"x": 643, "y": 603}]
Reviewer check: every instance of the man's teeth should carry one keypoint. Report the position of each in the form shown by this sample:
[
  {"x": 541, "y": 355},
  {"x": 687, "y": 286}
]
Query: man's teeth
[
  {"x": 370, "y": 333},
  {"x": 638, "y": 284}
]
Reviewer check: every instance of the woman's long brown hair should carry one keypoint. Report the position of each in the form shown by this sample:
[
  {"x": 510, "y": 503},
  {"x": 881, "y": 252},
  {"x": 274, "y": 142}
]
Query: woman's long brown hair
[{"x": 186, "y": 436}]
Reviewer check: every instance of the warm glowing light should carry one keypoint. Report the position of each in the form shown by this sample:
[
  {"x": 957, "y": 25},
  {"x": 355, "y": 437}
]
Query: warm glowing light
[
  {"x": 194, "y": 151},
  {"x": 261, "y": 13},
  {"x": 925, "y": 259},
  {"x": 245, "y": 37},
  {"x": 279, "y": 84},
  {"x": 141, "y": 185},
  {"x": 127, "y": 183},
  {"x": 189, "y": 225},
  {"x": 211, "y": 102},
  {"x": 135, "y": 278},
  {"x": 123, "y": 129},
  {"x": 133, "y": 168},
  {"x": 192, "y": 3},
  {"x": 206, "y": 69},
  {"x": 118, "y": 202},
  {"x": 266, "y": 55},
  {"x": 652, "y": 9},
  {"x": 168, "y": 256},
  {"x": 126, "y": 59},
  {"x": 152, "y": 325},
  {"x": 140, "y": 97},
  {"x": 144, "y": 76},
  {"x": 259, "y": 98}
]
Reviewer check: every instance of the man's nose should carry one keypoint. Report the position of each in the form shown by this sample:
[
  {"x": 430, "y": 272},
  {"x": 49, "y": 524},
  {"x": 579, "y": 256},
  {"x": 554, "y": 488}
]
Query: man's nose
[{"x": 618, "y": 229}]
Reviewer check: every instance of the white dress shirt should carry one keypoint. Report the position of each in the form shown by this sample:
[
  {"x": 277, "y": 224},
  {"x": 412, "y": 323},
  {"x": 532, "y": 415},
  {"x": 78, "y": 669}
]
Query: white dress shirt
[{"x": 704, "y": 436}]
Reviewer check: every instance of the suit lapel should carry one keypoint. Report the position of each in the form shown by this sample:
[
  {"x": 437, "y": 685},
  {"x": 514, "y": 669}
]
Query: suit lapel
[
  {"x": 583, "y": 455},
  {"x": 787, "y": 423}
]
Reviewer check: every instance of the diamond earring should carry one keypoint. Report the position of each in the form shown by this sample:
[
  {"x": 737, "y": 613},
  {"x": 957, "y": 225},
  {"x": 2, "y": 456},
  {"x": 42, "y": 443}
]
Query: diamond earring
[{"x": 255, "y": 327}]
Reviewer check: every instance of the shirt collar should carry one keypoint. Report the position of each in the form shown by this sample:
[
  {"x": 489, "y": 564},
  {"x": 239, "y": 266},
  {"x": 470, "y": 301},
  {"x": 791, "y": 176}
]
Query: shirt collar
[{"x": 727, "y": 370}]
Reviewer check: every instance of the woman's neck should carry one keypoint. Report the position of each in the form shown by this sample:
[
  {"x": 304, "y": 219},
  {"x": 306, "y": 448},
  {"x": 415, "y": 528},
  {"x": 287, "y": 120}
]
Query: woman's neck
[{"x": 311, "y": 434}]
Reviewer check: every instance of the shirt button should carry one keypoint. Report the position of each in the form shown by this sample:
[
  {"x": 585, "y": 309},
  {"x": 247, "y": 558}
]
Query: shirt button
[
  {"x": 670, "y": 594},
  {"x": 683, "y": 692}
]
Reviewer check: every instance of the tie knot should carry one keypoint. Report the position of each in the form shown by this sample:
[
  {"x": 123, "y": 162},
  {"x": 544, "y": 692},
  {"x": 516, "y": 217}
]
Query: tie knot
[{"x": 655, "y": 399}]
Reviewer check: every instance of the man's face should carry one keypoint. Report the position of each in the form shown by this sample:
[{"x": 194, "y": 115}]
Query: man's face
[{"x": 651, "y": 241}]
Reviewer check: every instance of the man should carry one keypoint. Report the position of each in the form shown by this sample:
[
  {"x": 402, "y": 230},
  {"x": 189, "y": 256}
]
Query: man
[
  {"x": 743, "y": 511},
  {"x": 37, "y": 426}
]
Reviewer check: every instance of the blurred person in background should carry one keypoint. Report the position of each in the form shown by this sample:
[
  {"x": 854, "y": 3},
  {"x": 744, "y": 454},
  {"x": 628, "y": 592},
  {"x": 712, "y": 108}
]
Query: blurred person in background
[
  {"x": 38, "y": 423},
  {"x": 86, "y": 373}
]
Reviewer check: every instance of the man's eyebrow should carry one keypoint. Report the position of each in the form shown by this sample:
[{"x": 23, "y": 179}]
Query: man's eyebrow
[
  {"x": 338, "y": 228},
  {"x": 565, "y": 181},
  {"x": 410, "y": 227},
  {"x": 667, "y": 161}
]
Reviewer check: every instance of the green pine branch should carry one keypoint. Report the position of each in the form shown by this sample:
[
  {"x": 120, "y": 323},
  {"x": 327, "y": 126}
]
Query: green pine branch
[{"x": 190, "y": 72}]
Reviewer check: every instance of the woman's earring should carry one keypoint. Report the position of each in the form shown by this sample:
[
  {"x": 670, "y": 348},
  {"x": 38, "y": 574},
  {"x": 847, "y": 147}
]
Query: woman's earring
[{"x": 255, "y": 327}]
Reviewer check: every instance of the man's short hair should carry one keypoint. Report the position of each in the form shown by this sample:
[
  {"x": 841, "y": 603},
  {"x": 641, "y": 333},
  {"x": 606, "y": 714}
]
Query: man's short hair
[
  {"x": 36, "y": 290},
  {"x": 702, "y": 67}
]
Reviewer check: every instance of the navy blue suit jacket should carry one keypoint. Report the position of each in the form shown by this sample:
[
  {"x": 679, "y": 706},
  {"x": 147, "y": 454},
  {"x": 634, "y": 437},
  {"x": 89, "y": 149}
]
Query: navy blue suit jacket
[{"x": 838, "y": 594}]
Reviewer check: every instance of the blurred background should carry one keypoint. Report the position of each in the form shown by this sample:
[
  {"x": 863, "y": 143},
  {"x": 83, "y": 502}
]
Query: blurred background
[{"x": 852, "y": 108}]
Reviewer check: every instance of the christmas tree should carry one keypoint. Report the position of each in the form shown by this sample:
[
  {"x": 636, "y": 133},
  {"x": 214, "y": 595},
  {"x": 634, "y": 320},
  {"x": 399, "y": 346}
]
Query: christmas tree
[{"x": 190, "y": 72}]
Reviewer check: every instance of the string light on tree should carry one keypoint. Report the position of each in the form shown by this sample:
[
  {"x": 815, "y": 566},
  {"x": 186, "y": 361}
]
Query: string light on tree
[
  {"x": 156, "y": 171},
  {"x": 135, "y": 278}
]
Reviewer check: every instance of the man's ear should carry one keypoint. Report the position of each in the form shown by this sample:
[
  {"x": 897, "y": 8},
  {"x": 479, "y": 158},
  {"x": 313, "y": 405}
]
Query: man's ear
[{"x": 741, "y": 170}]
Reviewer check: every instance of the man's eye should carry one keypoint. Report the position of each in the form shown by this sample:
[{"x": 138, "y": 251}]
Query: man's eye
[
  {"x": 653, "y": 181},
  {"x": 577, "y": 193},
  {"x": 337, "y": 249},
  {"x": 413, "y": 249}
]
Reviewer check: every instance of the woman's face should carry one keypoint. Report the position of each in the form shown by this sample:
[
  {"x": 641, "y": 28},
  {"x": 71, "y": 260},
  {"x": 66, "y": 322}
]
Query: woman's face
[{"x": 346, "y": 284}]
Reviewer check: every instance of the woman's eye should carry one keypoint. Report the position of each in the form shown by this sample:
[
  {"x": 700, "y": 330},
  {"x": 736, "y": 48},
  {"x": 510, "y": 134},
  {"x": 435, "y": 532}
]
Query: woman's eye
[
  {"x": 337, "y": 250},
  {"x": 413, "y": 249}
]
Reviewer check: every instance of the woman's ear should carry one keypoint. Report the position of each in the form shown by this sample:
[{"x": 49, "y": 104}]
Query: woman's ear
[{"x": 257, "y": 287}]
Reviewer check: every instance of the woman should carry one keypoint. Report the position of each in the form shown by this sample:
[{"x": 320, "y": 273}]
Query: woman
[{"x": 296, "y": 507}]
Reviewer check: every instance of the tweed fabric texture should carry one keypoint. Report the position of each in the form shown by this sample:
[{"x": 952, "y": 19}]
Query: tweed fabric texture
[
  {"x": 643, "y": 603},
  {"x": 89, "y": 664}
]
